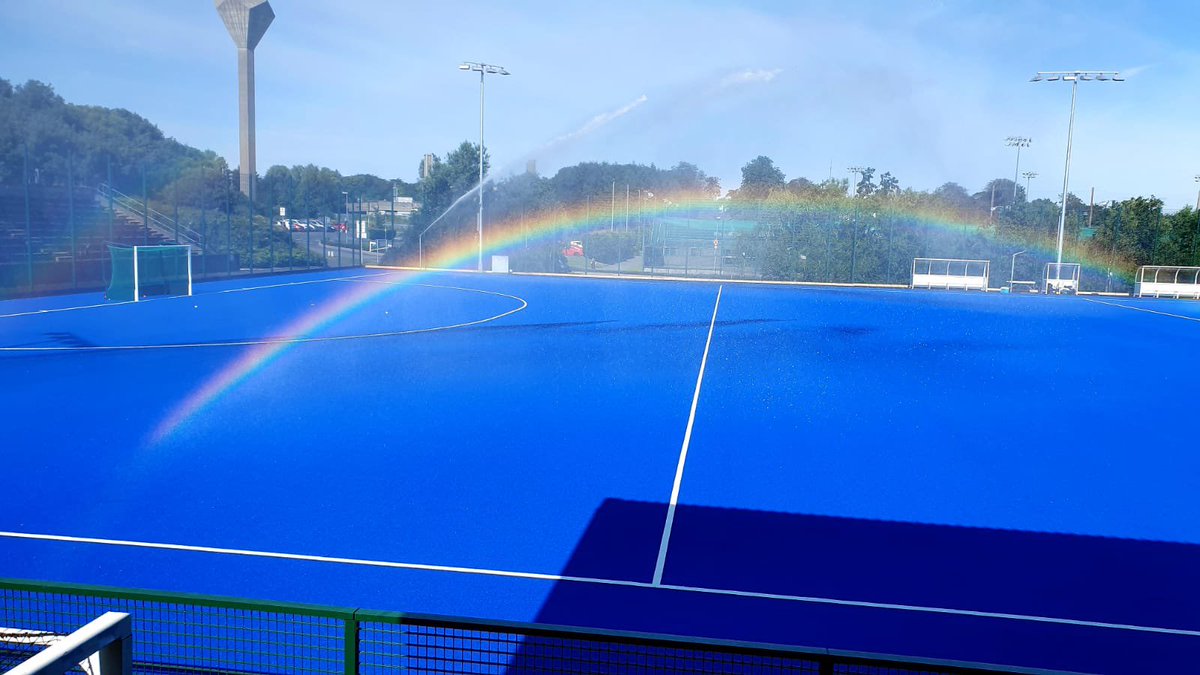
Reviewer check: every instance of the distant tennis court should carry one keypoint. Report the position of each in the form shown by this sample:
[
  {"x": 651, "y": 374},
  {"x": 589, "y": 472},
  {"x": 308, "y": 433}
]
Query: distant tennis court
[{"x": 983, "y": 477}]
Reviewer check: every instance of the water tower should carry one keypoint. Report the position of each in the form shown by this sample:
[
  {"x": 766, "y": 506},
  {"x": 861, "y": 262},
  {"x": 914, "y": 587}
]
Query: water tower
[{"x": 247, "y": 21}]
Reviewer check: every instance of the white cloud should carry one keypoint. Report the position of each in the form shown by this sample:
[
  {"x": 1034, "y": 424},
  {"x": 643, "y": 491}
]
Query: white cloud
[{"x": 749, "y": 76}]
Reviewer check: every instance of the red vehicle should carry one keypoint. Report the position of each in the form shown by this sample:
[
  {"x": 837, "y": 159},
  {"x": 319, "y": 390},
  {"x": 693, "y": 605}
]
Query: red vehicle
[{"x": 575, "y": 248}]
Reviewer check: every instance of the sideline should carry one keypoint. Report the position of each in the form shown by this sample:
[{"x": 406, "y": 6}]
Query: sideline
[{"x": 538, "y": 576}]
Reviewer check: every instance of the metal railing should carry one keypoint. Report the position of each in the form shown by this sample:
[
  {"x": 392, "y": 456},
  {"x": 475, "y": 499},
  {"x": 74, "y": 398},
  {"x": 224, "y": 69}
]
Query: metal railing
[
  {"x": 136, "y": 210},
  {"x": 175, "y": 632},
  {"x": 102, "y": 647}
]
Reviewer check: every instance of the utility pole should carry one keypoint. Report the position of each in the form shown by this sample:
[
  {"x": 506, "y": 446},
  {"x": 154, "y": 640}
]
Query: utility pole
[{"x": 854, "y": 170}]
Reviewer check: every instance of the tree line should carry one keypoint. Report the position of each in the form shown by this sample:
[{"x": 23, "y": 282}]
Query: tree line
[{"x": 801, "y": 228}]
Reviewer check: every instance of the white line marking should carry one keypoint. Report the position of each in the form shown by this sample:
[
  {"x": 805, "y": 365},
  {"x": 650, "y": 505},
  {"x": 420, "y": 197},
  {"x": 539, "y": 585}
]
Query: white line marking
[
  {"x": 538, "y": 576},
  {"x": 1143, "y": 309},
  {"x": 72, "y": 309},
  {"x": 177, "y": 297},
  {"x": 687, "y": 441},
  {"x": 301, "y": 283},
  {"x": 291, "y": 341}
]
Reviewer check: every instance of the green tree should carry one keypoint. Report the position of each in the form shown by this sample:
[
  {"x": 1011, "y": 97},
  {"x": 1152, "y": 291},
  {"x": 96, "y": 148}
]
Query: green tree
[{"x": 759, "y": 177}]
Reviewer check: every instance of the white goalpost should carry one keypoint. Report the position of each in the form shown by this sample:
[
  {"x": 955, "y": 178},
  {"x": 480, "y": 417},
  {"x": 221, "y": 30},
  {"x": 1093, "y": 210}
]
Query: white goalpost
[
  {"x": 950, "y": 273},
  {"x": 1060, "y": 278},
  {"x": 139, "y": 271}
]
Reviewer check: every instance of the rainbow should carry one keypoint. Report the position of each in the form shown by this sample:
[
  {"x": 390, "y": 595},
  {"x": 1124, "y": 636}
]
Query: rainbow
[{"x": 553, "y": 226}]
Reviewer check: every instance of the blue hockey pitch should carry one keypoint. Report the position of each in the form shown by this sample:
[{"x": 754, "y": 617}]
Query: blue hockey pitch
[{"x": 993, "y": 478}]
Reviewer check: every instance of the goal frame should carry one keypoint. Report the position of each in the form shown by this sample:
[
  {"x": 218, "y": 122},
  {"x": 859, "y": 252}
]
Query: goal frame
[
  {"x": 1058, "y": 284},
  {"x": 931, "y": 277},
  {"x": 1183, "y": 282},
  {"x": 137, "y": 279}
]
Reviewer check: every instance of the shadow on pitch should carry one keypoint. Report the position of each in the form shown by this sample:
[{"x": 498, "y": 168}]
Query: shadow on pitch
[{"x": 1095, "y": 579}]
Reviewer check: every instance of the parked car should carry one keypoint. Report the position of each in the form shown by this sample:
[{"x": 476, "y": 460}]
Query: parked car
[{"x": 575, "y": 248}]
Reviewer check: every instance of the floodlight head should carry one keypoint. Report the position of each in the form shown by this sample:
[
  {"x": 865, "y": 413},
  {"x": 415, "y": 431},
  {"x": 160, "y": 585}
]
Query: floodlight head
[
  {"x": 246, "y": 20},
  {"x": 1103, "y": 77},
  {"x": 1054, "y": 78},
  {"x": 1117, "y": 77},
  {"x": 464, "y": 66},
  {"x": 1036, "y": 78}
]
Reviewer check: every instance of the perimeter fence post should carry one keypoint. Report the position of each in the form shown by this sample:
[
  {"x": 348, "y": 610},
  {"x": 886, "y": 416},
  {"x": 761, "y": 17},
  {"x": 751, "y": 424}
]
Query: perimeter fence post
[
  {"x": 145, "y": 211},
  {"x": 28, "y": 222},
  {"x": 291, "y": 246},
  {"x": 71, "y": 220},
  {"x": 250, "y": 228},
  {"x": 228, "y": 226},
  {"x": 112, "y": 216},
  {"x": 271, "y": 240},
  {"x": 351, "y": 643},
  {"x": 203, "y": 205}
]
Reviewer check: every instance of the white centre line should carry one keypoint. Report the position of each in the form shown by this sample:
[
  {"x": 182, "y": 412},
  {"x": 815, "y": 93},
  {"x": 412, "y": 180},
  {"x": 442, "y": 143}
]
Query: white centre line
[
  {"x": 539, "y": 576},
  {"x": 687, "y": 441}
]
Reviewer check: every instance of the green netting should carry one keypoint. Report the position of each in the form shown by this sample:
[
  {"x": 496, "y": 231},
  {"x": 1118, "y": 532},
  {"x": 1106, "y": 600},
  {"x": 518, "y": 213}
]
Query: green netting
[{"x": 160, "y": 270}]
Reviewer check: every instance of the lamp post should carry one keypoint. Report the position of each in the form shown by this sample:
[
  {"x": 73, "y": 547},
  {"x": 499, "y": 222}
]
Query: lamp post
[
  {"x": 1072, "y": 76},
  {"x": 1196, "y": 232},
  {"x": 1028, "y": 175},
  {"x": 482, "y": 69},
  {"x": 1018, "y": 142},
  {"x": 1012, "y": 270}
]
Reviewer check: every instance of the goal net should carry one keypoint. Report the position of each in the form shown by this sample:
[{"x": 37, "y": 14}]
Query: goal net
[
  {"x": 1061, "y": 278},
  {"x": 140, "y": 271},
  {"x": 1166, "y": 281},
  {"x": 950, "y": 273}
]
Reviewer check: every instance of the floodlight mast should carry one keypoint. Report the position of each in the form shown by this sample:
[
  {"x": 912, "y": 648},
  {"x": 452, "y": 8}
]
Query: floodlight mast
[
  {"x": 1072, "y": 76},
  {"x": 1018, "y": 142},
  {"x": 1028, "y": 175},
  {"x": 482, "y": 69}
]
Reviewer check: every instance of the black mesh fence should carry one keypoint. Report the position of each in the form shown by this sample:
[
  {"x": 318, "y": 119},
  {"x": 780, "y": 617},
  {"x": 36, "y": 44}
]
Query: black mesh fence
[{"x": 178, "y": 633}]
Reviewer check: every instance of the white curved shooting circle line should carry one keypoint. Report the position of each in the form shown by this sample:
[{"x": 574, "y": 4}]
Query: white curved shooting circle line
[{"x": 523, "y": 304}]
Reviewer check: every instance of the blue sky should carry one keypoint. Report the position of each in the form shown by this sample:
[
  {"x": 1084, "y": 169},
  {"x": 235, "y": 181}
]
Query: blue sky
[{"x": 927, "y": 90}]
